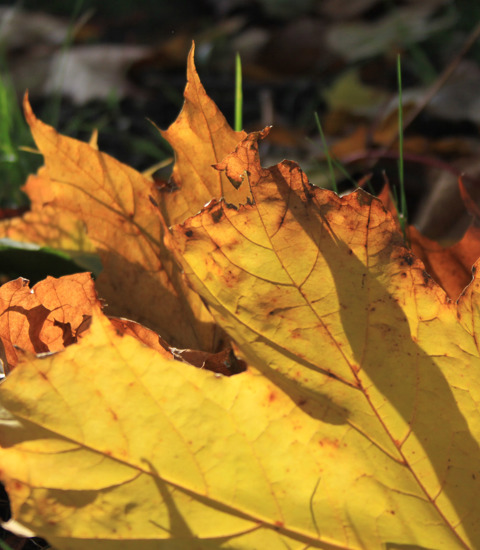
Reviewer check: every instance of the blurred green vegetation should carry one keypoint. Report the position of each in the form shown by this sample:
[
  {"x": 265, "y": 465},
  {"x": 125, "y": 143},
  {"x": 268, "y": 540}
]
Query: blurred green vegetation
[{"x": 15, "y": 163}]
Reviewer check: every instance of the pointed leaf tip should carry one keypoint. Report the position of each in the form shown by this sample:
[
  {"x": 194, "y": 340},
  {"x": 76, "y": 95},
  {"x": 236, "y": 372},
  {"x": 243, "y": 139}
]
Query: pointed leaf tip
[
  {"x": 27, "y": 109},
  {"x": 191, "y": 55},
  {"x": 201, "y": 137}
]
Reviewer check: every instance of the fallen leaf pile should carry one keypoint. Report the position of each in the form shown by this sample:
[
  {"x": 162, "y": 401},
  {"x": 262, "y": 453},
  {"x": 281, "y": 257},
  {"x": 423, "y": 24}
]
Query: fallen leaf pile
[{"x": 351, "y": 416}]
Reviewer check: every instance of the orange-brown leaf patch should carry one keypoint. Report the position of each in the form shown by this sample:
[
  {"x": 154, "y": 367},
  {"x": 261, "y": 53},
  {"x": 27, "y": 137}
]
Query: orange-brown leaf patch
[
  {"x": 44, "y": 318},
  {"x": 451, "y": 266}
]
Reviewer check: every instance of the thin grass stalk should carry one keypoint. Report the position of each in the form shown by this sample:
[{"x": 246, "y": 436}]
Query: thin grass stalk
[
  {"x": 402, "y": 210},
  {"x": 238, "y": 94}
]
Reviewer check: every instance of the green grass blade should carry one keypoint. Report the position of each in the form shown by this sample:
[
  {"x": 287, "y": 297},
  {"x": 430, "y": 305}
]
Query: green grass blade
[
  {"x": 402, "y": 210},
  {"x": 238, "y": 94},
  {"x": 15, "y": 165}
]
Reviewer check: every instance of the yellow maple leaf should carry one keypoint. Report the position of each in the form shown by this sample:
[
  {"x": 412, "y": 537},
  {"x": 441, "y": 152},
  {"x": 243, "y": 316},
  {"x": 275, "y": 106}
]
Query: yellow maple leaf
[
  {"x": 320, "y": 295},
  {"x": 84, "y": 201},
  {"x": 366, "y": 437}
]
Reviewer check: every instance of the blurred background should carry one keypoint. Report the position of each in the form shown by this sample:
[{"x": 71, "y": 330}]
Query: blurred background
[{"x": 112, "y": 65}]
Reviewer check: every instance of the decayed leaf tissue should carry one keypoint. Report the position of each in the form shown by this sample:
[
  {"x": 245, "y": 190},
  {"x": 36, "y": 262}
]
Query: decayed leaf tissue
[{"x": 355, "y": 424}]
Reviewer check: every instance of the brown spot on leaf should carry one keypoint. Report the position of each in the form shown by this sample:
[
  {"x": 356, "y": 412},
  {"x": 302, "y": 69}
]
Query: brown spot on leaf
[
  {"x": 272, "y": 396},
  {"x": 17, "y": 486},
  {"x": 325, "y": 442},
  {"x": 217, "y": 215}
]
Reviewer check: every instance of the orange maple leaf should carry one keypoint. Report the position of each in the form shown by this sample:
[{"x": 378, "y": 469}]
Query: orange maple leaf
[{"x": 46, "y": 317}]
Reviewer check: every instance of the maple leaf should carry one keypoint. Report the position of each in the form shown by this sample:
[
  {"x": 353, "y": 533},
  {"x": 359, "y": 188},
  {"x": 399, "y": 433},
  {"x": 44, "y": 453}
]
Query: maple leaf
[{"x": 331, "y": 444}]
